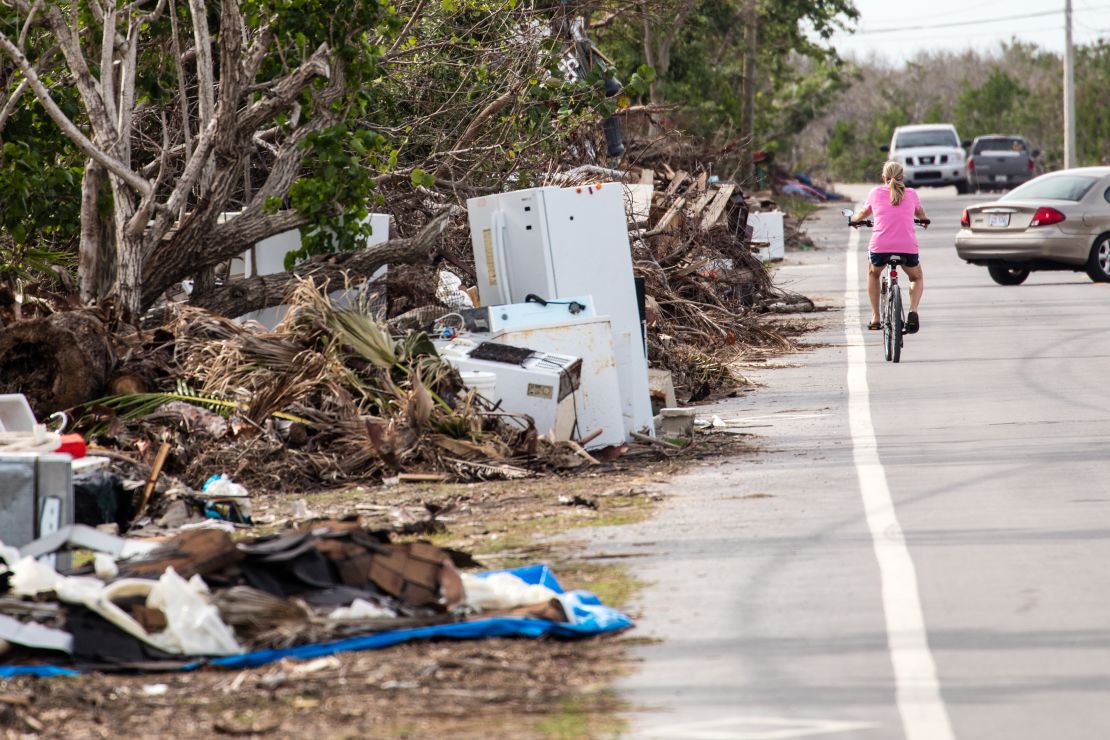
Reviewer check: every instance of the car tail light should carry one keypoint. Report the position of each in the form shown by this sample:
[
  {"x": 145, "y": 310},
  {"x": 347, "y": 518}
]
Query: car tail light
[
  {"x": 965, "y": 219},
  {"x": 1030, "y": 165},
  {"x": 1046, "y": 217},
  {"x": 971, "y": 164}
]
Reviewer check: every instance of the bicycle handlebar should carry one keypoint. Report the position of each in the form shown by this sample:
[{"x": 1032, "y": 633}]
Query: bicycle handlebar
[{"x": 869, "y": 222}]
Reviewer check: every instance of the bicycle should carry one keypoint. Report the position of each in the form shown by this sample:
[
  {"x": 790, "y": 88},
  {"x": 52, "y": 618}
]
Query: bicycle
[{"x": 892, "y": 318}]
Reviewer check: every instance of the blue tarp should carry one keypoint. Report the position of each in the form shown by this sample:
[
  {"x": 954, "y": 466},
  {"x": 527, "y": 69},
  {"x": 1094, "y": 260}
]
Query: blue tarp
[{"x": 587, "y": 614}]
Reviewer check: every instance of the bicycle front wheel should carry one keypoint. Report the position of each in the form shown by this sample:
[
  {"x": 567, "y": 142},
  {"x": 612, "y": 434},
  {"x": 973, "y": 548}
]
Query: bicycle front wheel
[{"x": 897, "y": 325}]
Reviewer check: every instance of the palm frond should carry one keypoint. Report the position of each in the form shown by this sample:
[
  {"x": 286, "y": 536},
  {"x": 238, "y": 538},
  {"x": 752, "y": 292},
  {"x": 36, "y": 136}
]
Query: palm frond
[
  {"x": 366, "y": 337},
  {"x": 131, "y": 406}
]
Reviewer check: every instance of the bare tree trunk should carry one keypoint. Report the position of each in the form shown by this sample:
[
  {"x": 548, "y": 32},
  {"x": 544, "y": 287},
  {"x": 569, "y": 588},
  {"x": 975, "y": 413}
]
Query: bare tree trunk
[
  {"x": 129, "y": 253},
  {"x": 89, "y": 267},
  {"x": 657, "y": 54},
  {"x": 751, "y": 49}
]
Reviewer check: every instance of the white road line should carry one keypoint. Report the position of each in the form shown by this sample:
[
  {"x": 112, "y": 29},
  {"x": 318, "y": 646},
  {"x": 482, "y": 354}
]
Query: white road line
[
  {"x": 757, "y": 728},
  {"x": 924, "y": 716}
]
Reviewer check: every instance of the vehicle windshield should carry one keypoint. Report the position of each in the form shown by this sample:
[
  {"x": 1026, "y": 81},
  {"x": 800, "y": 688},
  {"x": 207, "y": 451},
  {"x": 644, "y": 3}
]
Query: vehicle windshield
[
  {"x": 999, "y": 144},
  {"x": 928, "y": 137},
  {"x": 1053, "y": 187}
]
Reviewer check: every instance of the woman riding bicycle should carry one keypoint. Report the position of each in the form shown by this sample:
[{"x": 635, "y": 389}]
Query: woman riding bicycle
[{"x": 893, "y": 207}]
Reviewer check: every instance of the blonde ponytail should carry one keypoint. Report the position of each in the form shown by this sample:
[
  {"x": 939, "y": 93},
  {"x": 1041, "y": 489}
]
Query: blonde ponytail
[{"x": 895, "y": 178}]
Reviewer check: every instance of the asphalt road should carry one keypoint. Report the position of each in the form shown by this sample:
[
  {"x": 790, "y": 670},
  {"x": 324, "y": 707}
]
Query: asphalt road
[{"x": 917, "y": 550}]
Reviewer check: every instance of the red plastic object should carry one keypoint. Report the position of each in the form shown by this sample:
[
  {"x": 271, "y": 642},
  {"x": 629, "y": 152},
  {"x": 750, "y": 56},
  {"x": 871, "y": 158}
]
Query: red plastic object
[{"x": 74, "y": 444}]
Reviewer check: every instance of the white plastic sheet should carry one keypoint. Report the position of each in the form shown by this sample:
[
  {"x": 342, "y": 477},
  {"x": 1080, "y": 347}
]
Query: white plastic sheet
[{"x": 503, "y": 591}]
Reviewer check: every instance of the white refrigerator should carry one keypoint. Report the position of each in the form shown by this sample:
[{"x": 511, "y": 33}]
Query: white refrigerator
[{"x": 557, "y": 242}]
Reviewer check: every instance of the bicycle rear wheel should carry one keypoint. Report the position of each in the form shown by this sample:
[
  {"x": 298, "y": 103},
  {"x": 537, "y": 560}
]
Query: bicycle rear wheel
[
  {"x": 897, "y": 324},
  {"x": 884, "y": 317}
]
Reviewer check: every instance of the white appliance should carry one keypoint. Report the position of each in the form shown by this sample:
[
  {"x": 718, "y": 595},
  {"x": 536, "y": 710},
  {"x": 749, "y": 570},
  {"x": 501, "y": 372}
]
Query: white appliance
[
  {"x": 526, "y": 315},
  {"x": 36, "y": 498},
  {"x": 267, "y": 257},
  {"x": 542, "y": 385},
  {"x": 768, "y": 241},
  {"x": 556, "y": 242},
  {"x": 599, "y": 400}
]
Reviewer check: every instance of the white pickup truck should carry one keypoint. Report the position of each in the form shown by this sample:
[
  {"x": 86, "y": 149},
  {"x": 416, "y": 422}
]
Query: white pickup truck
[{"x": 931, "y": 154}]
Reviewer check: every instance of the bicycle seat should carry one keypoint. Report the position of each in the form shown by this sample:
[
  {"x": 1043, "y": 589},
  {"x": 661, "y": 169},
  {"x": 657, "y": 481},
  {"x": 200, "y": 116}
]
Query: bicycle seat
[{"x": 894, "y": 260}]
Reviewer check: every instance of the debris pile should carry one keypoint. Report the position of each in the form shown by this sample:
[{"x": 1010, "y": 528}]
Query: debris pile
[
  {"x": 329, "y": 395},
  {"x": 711, "y": 293},
  {"x": 709, "y": 296},
  {"x": 329, "y": 585}
]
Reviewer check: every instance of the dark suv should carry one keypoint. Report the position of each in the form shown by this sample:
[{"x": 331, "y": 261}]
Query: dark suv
[{"x": 1000, "y": 162}]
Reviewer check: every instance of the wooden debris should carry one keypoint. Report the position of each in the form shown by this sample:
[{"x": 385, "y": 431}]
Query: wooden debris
[
  {"x": 654, "y": 441},
  {"x": 155, "y": 471},
  {"x": 699, "y": 205},
  {"x": 676, "y": 182},
  {"x": 665, "y": 221},
  {"x": 717, "y": 208}
]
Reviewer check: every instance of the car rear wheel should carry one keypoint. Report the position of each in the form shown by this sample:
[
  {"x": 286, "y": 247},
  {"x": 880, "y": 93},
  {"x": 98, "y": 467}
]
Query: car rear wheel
[
  {"x": 1098, "y": 264},
  {"x": 961, "y": 187},
  {"x": 1007, "y": 275}
]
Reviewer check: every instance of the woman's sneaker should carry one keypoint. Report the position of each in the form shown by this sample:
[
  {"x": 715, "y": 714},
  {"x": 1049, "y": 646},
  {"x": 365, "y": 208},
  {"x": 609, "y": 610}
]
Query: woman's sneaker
[{"x": 913, "y": 323}]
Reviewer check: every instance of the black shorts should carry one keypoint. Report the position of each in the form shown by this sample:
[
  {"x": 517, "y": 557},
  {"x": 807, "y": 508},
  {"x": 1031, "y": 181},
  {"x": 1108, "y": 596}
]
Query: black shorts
[{"x": 878, "y": 259}]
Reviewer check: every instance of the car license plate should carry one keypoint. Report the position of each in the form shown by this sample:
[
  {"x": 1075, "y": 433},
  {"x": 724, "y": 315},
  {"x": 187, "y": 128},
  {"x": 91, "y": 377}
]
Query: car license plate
[
  {"x": 1000, "y": 178},
  {"x": 998, "y": 220}
]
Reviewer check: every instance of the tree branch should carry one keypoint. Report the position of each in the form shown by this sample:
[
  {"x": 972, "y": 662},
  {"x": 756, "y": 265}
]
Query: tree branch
[
  {"x": 497, "y": 105},
  {"x": 68, "y": 128},
  {"x": 263, "y": 291},
  {"x": 404, "y": 34},
  {"x": 286, "y": 90}
]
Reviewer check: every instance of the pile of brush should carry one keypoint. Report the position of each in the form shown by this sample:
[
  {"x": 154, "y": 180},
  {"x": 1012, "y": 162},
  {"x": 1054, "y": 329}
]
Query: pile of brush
[{"x": 330, "y": 395}]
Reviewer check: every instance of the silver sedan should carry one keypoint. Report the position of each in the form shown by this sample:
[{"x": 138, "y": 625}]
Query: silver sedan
[{"x": 1058, "y": 221}]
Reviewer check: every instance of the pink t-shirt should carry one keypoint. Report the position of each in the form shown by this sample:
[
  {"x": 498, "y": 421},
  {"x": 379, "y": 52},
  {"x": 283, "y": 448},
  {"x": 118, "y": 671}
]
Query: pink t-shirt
[{"x": 894, "y": 228}]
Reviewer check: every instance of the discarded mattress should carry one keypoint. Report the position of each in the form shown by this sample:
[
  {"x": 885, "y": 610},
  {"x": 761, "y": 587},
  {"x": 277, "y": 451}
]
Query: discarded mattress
[{"x": 585, "y": 613}]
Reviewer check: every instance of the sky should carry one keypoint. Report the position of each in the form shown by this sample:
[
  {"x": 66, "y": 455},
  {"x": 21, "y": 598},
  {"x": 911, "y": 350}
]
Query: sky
[{"x": 898, "y": 30}]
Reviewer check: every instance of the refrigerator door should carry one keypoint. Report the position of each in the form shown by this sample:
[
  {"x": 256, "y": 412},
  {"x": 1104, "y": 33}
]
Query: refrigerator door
[{"x": 512, "y": 254}]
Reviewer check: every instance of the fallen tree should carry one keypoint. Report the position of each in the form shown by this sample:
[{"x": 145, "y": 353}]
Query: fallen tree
[
  {"x": 57, "y": 361},
  {"x": 262, "y": 291}
]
